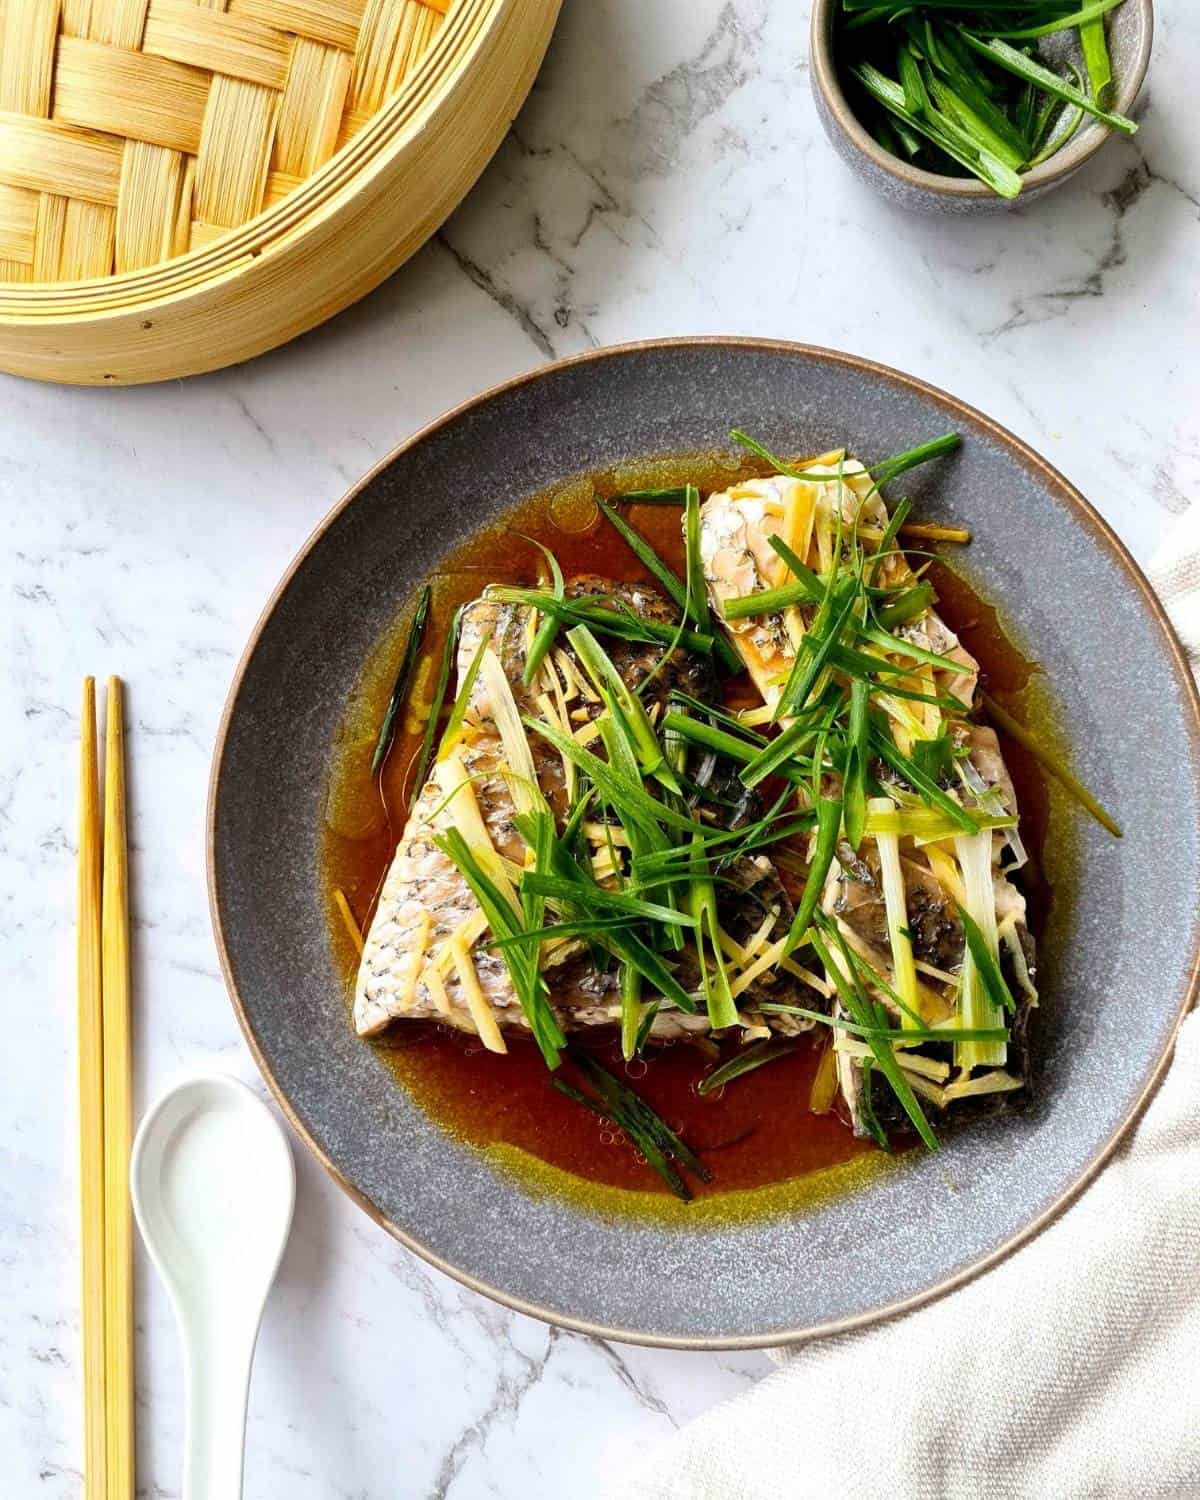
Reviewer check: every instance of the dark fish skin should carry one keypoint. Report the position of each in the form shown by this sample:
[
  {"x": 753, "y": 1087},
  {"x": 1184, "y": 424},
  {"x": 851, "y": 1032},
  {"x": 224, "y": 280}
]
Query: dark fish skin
[
  {"x": 937, "y": 934},
  {"x": 890, "y": 1113},
  {"x": 635, "y": 660}
]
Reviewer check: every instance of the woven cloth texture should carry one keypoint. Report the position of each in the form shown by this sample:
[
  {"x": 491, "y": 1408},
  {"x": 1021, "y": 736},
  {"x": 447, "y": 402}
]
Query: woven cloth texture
[
  {"x": 132, "y": 131},
  {"x": 1070, "y": 1370}
]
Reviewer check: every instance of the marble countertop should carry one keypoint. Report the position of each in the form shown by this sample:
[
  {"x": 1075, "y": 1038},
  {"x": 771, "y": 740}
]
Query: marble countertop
[{"x": 667, "y": 176}]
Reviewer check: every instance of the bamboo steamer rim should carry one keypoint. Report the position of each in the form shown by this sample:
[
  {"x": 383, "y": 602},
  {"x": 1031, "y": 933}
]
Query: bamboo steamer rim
[{"x": 465, "y": 34}]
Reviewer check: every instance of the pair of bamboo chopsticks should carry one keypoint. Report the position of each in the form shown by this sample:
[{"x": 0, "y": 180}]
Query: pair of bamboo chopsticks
[{"x": 105, "y": 1106}]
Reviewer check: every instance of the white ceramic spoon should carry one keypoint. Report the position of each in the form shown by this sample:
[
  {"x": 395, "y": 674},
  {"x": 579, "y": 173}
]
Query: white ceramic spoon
[{"x": 213, "y": 1187}]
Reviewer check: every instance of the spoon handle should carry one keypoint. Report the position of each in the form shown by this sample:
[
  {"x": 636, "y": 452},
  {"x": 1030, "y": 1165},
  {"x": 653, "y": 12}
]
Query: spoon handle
[{"x": 218, "y": 1385}]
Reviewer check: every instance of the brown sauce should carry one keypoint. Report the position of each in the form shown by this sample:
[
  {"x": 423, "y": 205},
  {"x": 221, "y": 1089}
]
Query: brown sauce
[{"x": 759, "y": 1131}]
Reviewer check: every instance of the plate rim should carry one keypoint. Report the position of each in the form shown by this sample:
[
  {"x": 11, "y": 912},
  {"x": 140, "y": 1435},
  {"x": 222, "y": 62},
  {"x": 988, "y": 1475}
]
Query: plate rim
[{"x": 1084, "y": 512}]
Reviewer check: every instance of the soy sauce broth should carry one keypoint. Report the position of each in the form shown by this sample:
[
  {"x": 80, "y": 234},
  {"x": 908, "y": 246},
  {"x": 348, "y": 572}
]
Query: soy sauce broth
[{"x": 758, "y": 1131}]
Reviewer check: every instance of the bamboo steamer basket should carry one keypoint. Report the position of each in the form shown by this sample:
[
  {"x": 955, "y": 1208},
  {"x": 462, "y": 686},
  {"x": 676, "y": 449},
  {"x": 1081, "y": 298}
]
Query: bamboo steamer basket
[{"x": 184, "y": 185}]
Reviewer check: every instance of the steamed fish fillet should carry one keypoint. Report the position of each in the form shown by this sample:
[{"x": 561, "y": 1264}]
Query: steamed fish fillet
[
  {"x": 409, "y": 968},
  {"x": 738, "y": 559},
  {"x": 736, "y": 526}
]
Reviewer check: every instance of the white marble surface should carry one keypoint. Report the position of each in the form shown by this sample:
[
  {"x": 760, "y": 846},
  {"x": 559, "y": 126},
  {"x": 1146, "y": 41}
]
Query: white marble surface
[{"x": 668, "y": 176}]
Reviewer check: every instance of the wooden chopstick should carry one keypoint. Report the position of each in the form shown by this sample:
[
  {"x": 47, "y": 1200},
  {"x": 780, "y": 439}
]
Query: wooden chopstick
[
  {"x": 105, "y": 1107},
  {"x": 118, "y": 1106},
  {"x": 91, "y": 1105}
]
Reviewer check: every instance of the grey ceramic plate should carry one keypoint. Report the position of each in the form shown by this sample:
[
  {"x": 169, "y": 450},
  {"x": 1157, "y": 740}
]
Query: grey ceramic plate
[{"x": 1119, "y": 959}]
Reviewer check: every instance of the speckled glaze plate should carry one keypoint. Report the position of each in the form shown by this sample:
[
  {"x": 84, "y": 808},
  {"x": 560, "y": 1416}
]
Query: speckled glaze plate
[{"x": 1118, "y": 962}]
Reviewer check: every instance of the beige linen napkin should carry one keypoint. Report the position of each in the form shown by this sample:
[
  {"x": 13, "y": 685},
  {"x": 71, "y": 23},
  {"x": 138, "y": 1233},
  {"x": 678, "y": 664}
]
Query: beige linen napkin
[{"x": 1070, "y": 1369}]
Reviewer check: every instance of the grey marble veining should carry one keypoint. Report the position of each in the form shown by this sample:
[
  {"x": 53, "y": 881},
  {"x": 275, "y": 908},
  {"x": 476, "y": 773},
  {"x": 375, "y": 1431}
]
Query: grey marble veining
[{"x": 667, "y": 176}]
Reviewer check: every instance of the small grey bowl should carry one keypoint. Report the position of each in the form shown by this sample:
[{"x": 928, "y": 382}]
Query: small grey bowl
[{"x": 1130, "y": 34}]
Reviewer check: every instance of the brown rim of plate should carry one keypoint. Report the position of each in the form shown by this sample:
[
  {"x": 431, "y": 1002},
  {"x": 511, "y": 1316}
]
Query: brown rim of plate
[
  {"x": 1087, "y": 516},
  {"x": 1082, "y": 147}
]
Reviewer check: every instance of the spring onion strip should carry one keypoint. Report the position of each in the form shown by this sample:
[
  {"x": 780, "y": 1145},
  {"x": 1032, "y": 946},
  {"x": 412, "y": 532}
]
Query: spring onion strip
[
  {"x": 829, "y": 820},
  {"x": 623, "y": 705},
  {"x": 986, "y": 963},
  {"x": 548, "y": 629},
  {"x": 854, "y": 778},
  {"x": 722, "y": 1010},
  {"x": 1096, "y": 59},
  {"x": 755, "y": 447},
  {"x": 408, "y": 662},
  {"x": 895, "y": 903},
  {"x": 603, "y": 617},
  {"x": 602, "y": 898},
  {"x": 1078, "y": 18},
  {"x": 672, "y": 494},
  {"x": 925, "y": 823},
  {"x": 697, "y": 594},
  {"x": 719, "y": 715},
  {"x": 646, "y": 1024},
  {"x": 645, "y": 553},
  {"x": 1023, "y": 66},
  {"x": 458, "y": 711},
  {"x": 748, "y": 1061},
  {"x": 1052, "y": 762},
  {"x": 631, "y": 1010},
  {"x": 624, "y": 1102},
  {"x": 722, "y": 742},
  {"x": 978, "y": 1008},
  {"x": 906, "y": 606},
  {"x": 424, "y": 755},
  {"x": 871, "y": 977},
  {"x": 907, "y": 1037},
  {"x": 799, "y": 571},
  {"x": 635, "y": 802},
  {"x": 923, "y": 784},
  {"x": 535, "y": 936},
  {"x": 767, "y": 601},
  {"x": 669, "y": 580},
  {"x": 861, "y": 1010},
  {"x": 773, "y": 758},
  {"x": 528, "y": 985}
]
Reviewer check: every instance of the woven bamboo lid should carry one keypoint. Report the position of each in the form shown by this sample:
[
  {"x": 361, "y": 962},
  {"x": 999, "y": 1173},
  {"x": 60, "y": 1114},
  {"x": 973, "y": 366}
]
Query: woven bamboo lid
[{"x": 177, "y": 169}]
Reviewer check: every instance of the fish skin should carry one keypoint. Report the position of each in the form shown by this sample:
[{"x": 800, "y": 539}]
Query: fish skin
[{"x": 422, "y": 879}]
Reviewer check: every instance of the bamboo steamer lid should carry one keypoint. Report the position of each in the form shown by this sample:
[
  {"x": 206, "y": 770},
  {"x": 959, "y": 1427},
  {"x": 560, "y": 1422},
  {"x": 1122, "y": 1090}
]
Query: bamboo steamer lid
[{"x": 184, "y": 185}]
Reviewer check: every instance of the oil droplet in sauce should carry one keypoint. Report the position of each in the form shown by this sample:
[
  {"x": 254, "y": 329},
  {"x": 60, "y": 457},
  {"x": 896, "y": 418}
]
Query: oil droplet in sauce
[
  {"x": 573, "y": 507},
  {"x": 766, "y": 1150}
]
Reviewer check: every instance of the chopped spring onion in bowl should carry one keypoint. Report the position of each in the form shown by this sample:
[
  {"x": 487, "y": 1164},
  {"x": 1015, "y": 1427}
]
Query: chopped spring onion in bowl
[{"x": 983, "y": 92}]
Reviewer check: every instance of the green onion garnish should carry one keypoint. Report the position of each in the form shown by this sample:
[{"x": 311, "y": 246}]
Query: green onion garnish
[
  {"x": 603, "y": 617},
  {"x": 863, "y": 1011},
  {"x": 529, "y": 986},
  {"x": 1052, "y": 762},
  {"x": 458, "y": 711},
  {"x": 412, "y": 650},
  {"x": 756, "y": 1056},
  {"x": 958, "y": 88},
  {"x": 548, "y": 629},
  {"x": 829, "y": 821},
  {"x": 617, "y": 1102},
  {"x": 425, "y": 754}
]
